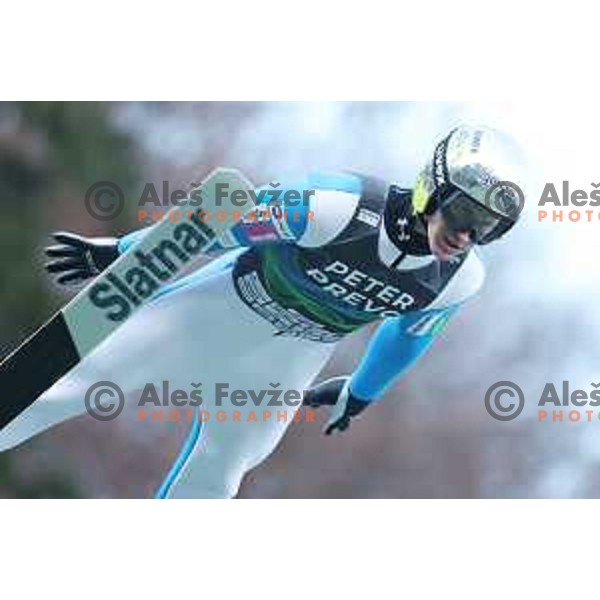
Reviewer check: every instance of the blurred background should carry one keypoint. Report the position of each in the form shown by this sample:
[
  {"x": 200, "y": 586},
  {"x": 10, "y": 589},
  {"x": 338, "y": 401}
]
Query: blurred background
[{"x": 536, "y": 320}]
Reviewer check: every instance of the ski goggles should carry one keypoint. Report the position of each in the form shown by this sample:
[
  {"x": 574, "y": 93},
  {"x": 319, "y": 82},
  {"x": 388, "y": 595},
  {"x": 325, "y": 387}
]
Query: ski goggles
[{"x": 463, "y": 213}]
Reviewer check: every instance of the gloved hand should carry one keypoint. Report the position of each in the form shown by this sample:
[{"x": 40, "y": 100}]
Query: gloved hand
[
  {"x": 336, "y": 393},
  {"x": 77, "y": 258}
]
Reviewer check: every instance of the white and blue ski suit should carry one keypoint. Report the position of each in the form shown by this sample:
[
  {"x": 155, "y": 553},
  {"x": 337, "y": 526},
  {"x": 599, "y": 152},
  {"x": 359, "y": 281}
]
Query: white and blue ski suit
[{"x": 270, "y": 310}]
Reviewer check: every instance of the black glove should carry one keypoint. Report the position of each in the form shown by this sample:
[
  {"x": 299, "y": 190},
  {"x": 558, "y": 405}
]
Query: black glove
[
  {"x": 78, "y": 258},
  {"x": 336, "y": 393}
]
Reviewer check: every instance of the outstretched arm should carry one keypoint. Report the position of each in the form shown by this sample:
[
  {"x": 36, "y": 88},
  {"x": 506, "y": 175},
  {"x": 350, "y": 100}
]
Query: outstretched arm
[
  {"x": 393, "y": 349},
  {"x": 314, "y": 210}
]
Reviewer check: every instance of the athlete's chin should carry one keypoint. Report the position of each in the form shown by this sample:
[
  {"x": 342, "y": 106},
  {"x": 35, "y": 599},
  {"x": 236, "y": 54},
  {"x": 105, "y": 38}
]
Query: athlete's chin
[
  {"x": 444, "y": 249},
  {"x": 440, "y": 250}
]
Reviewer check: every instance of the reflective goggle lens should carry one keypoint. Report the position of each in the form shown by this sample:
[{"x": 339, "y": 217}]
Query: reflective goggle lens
[{"x": 462, "y": 213}]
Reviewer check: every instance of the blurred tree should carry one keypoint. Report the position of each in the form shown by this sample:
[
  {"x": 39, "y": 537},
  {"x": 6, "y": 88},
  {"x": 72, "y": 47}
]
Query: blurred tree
[{"x": 50, "y": 153}]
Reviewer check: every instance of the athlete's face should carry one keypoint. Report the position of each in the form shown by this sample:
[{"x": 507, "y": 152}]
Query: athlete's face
[{"x": 444, "y": 242}]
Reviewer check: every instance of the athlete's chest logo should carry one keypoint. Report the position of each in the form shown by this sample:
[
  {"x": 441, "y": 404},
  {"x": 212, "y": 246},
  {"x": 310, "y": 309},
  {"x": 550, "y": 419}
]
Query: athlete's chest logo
[
  {"x": 359, "y": 289},
  {"x": 402, "y": 228}
]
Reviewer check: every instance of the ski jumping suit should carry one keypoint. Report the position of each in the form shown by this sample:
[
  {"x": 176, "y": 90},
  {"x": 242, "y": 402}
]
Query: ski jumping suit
[{"x": 268, "y": 312}]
